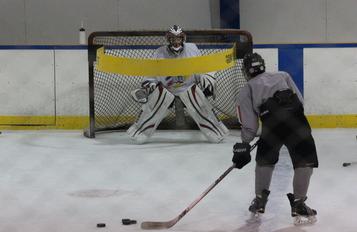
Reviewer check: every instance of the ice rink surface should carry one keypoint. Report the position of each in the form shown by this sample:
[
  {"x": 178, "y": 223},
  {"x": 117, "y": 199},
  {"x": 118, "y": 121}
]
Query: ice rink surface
[{"x": 60, "y": 181}]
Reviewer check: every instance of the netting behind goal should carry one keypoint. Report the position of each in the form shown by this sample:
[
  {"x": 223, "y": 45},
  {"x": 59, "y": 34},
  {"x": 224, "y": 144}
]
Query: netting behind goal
[{"x": 111, "y": 105}]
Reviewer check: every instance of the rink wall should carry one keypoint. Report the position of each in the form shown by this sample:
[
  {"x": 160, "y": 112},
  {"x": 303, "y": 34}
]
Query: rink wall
[
  {"x": 43, "y": 87},
  {"x": 46, "y": 87},
  {"x": 325, "y": 74}
]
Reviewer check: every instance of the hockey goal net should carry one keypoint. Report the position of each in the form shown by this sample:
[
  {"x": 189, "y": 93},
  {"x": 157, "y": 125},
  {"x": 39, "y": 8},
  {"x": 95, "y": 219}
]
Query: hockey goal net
[{"x": 111, "y": 106}]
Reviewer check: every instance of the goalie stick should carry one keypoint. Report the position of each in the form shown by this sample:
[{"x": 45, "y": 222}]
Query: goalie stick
[{"x": 151, "y": 225}]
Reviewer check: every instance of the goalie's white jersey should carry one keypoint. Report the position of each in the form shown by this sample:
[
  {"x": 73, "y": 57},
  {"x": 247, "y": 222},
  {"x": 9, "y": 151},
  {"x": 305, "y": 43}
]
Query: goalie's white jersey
[{"x": 178, "y": 84}]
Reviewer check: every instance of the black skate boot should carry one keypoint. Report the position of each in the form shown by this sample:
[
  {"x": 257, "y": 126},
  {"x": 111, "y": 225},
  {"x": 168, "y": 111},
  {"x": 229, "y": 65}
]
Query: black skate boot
[
  {"x": 301, "y": 213},
  {"x": 258, "y": 204}
]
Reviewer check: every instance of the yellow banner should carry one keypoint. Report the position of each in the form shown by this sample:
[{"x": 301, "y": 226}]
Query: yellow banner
[{"x": 165, "y": 67}]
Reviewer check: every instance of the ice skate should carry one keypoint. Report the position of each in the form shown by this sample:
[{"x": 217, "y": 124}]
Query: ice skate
[
  {"x": 257, "y": 207},
  {"x": 301, "y": 213}
]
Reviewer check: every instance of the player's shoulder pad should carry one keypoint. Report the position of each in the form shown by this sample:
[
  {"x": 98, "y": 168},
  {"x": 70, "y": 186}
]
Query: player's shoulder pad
[
  {"x": 160, "y": 52},
  {"x": 191, "y": 46},
  {"x": 283, "y": 73}
]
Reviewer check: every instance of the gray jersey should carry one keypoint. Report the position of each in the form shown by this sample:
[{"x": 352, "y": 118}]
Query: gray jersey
[
  {"x": 254, "y": 94},
  {"x": 178, "y": 84}
]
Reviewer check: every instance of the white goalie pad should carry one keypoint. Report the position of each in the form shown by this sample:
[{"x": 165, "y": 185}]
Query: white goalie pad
[
  {"x": 202, "y": 113},
  {"x": 208, "y": 83},
  {"x": 151, "y": 114}
]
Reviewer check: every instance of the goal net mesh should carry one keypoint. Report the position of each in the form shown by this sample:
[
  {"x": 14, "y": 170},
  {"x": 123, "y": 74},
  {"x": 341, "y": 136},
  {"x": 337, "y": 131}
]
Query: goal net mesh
[{"x": 111, "y": 105}]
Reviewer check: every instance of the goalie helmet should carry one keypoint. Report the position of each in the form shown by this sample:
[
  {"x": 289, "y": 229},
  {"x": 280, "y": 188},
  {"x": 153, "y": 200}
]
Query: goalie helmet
[
  {"x": 175, "y": 37},
  {"x": 253, "y": 64}
]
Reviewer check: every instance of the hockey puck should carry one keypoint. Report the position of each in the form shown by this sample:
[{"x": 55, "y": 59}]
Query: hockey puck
[
  {"x": 346, "y": 164},
  {"x": 127, "y": 221},
  {"x": 133, "y": 222},
  {"x": 101, "y": 225}
]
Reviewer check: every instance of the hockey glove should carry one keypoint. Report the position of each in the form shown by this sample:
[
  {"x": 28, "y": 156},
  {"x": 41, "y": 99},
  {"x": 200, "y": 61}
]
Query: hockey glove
[
  {"x": 140, "y": 95},
  {"x": 149, "y": 85},
  {"x": 208, "y": 84},
  {"x": 241, "y": 154}
]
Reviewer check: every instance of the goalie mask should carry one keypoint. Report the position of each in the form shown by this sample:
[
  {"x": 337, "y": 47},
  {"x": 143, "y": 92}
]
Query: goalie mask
[
  {"x": 175, "y": 37},
  {"x": 253, "y": 64}
]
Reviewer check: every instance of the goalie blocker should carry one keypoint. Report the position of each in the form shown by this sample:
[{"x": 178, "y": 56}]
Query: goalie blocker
[{"x": 196, "y": 104}]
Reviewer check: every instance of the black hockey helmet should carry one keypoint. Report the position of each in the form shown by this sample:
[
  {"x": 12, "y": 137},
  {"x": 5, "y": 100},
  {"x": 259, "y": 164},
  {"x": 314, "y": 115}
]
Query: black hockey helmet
[
  {"x": 175, "y": 37},
  {"x": 253, "y": 64}
]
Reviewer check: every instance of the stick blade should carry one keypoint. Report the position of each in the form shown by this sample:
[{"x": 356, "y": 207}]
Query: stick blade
[{"x": 157, "y": 225}]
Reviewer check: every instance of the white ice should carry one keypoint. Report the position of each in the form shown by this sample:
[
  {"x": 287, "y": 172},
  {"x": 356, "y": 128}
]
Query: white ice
[{"x": 60, "y": 181}]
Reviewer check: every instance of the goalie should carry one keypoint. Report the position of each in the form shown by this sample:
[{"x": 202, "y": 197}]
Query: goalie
[{"x": 158, "y": 94}]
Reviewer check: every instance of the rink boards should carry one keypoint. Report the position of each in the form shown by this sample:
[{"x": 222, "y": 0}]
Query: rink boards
[{"x": 47, "y": 86}]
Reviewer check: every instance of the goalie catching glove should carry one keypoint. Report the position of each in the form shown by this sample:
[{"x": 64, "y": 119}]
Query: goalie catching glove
[
  {"x": 241, "y": 154},
  {"x": 147, "y": 87},
  {"x": 207, "y": 83}
]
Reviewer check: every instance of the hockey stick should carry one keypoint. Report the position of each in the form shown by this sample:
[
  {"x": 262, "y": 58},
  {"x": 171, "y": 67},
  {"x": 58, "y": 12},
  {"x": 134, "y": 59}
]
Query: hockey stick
[{"x": 150, "y": 225}]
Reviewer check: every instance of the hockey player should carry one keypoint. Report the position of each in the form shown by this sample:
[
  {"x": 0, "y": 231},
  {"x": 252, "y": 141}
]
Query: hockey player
[
  {"x": 273, "y": 98},
  {"x": 157, "y": 94}
]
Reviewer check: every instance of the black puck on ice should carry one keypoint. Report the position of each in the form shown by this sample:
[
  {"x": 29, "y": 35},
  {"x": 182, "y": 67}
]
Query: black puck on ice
[
  {"x": 346, "y": 164},
  {"x": 101, "y": 225},
  {"x": 127, "y": 221}
]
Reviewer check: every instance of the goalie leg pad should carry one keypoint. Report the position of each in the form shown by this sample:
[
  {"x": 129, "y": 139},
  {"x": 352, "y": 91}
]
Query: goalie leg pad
[
  {"x": 151, "y": 114},
  {"x": 201, "y": 111}
]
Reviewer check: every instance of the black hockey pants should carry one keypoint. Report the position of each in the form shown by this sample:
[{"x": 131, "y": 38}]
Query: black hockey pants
[{"x": 284, "y": 123}]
